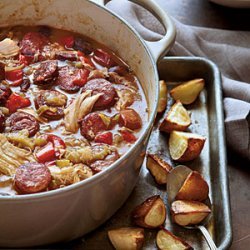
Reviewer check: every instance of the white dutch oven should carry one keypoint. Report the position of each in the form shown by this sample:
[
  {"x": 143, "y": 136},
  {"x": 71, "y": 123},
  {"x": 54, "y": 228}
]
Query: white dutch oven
[{"x": 70, "y": 212}]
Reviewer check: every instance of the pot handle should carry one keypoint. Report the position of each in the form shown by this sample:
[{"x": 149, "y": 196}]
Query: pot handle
[{"x": 161, "y": 47}]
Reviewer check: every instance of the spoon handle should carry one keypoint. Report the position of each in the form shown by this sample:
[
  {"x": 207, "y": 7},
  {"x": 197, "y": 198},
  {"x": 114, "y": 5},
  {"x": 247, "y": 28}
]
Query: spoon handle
[{"x": 208, "y": 238}]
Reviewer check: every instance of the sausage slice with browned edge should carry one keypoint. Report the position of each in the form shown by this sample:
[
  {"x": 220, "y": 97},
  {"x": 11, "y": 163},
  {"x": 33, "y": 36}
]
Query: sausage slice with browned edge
[
  {"x": 32, "y": 177},
  {"x": 53, "y": 103},
  {"x": 91, "y": 124},
  {"x": 100, "y": 85},
  {"x": 71, "y": 79},
  {"x": 21, "y": 120},
  {"x": 46, "y": 72},
  {"x": 32, "y": 43},
  {"x": 130, "y": 119}
]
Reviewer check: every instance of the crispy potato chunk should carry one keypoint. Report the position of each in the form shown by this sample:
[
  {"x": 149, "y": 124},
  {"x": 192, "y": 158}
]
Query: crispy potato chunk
[
  {"x": 158, "y": 168},
  {"x": 176, "y": 119},
  {"x": 127, "y": 238},
  {"x": 187, "y": 92},
  {"x": 195, "y": 188},
  {"x": 185, "y": 146},
  {"x": 186, "y": 213},
  {"x": 163, "y": 98},
  {"x": 165, "y": 240},
  {"x": 151, "y": 213}
]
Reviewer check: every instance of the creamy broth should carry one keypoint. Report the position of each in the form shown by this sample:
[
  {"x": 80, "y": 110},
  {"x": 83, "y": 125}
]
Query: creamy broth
[{"x": 69, "y": 106}]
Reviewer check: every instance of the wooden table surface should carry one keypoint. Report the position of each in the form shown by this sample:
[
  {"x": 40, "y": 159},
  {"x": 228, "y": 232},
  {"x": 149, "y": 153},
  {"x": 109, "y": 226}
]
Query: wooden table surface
[{"x": 206, "y": 14}]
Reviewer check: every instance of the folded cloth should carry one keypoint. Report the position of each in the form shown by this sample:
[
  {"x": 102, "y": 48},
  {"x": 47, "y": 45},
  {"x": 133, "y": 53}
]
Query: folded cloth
[{"x": 230, "y": 50}]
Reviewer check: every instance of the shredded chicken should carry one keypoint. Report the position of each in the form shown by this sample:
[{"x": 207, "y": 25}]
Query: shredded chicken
[
  {"x": 68, "y": 175},
  {"x": 114, "y": 77},
  {"x": 8, "y": 48},
  {"x": 12, "y": 157},
  {"x": 87, "y": 154},
  {"x": 98, "y": 73},
  {"x": 79, "y": 108},
  {"x": 126, "y": 98},
  {"x": 32, "y": 112}
]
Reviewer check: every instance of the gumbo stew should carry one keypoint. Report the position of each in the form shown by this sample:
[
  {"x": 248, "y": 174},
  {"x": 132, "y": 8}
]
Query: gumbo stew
[{"x": 69, "y": 108}]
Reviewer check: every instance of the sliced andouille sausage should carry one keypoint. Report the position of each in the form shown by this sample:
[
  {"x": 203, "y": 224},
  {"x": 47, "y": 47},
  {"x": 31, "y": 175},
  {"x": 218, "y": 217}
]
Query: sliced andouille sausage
[
  {"x": 129, "y": 118},
  {"x": 46, "y": 72},
  {"x": 101, "y": 165},
  {"x": 71, "y": 79},
  {"x": 25, "y": 85},
  {"x": 2, "y": 121},
  {"x": 91, "y": 124},
  {"x": 66, "y": 55},
  {"x": 103, "y": 58},
  {"x": 21, "y": 120},
  {"x": 82, "y": 45},
  {"x": 5, "y": 93},
  {"x": 99, "y": 85},
  {"x": 32, "y": 43},
  {"x": 52, "y": 102},
  {"x": 32, "y": 177}
]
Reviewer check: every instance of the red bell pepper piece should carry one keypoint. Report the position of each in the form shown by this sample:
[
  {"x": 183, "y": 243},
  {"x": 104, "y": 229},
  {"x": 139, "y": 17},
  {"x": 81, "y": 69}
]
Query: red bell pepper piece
[
  {"x": 46, "y": 153},
  {"x": 81, "y": 78},
  {"x": 106, "y": 137},
  {"x": 14, "y": 76},
  {"x": 127, "y": 136},
  {"x": 26, "y": 60},
  {"x": 16, "y": 102},
  {"x": 84, "y": 59},
  {"x": 103, "y": 58},
  {"x": 67, "y": 41},
  {"x": 57, "y": 142}
]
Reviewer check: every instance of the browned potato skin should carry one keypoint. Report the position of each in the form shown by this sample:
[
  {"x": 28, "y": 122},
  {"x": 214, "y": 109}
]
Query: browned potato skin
[
  {"x": 172, "y": 240},
  {"x": 163, "y": 168},
  {"x": 163, "y": 97},
  {"x": 181, "y": 209},
  {"x": 194, "y": 188},
  {"x": 193, "y": 150},
  {"x": 127, "y": 238},
  {"x": 168, "y": 126},
  {"x": 140, "y": 212}
]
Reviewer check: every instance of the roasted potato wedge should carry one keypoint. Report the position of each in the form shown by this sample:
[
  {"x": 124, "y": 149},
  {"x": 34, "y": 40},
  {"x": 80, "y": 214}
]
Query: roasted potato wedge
[
  {"x": 184, "y": 146},
  {"x": 186, "y": 213},
  {"x": 158, "y": 168},
  {"x": 177, "y": 119},
  {"x": 187, "y": 92},
  {"x": 165, "y": 240},
  {"x": 151, "y": 213},
  {"x": 195, "y": 188},
  {"x": 127, "y": 238},
  {"x": 163, "y": 98}
]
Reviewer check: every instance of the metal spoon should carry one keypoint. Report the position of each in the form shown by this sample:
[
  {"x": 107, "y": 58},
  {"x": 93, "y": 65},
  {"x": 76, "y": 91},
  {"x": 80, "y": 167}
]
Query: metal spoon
[{"x": 175, "y": 181}]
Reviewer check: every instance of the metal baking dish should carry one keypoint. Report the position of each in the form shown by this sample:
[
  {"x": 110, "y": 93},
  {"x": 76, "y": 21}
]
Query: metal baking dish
[{"x": 207, "y": 118}]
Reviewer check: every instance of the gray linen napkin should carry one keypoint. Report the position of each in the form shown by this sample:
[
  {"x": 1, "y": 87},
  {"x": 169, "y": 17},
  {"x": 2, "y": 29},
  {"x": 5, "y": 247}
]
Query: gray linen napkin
[{"x": 230, "y": 50}]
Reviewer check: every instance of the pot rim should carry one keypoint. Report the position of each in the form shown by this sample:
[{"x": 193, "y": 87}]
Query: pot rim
[{"x": 115, "y": 165}]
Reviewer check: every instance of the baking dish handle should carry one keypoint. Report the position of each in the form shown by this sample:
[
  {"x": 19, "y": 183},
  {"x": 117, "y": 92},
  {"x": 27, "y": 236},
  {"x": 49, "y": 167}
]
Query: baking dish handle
[{"x": 157, "y": 48}]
